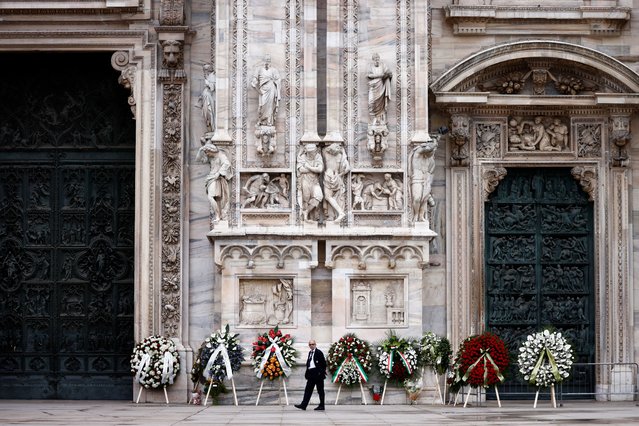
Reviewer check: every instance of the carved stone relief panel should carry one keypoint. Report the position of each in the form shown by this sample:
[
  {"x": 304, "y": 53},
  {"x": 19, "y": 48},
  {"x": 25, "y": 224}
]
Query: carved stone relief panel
[
  {"x": 265, "y": 191},
  {"x": 588, "y": 134},
  {"x": 539, "y": 134},
  {"x": 377, "y": 302},
  {"x": 377, "y": 191},
  {"x": 488, "y": 137},
  {"x": 266, "y": 302}
]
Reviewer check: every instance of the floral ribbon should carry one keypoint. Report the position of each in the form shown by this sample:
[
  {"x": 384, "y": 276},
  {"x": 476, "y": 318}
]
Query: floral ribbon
[
  {"x": 167, "y": 368},
  {"x": 144, "y": 363},
  {"x": 553, "y": 366},
  {"x": 274, "y": 348},
  {"x": 219, "y": 351},
  {"x": 350, "y": 360},
  {"x": 402, "y": 357},
  {"x": 485, "y": 357}
]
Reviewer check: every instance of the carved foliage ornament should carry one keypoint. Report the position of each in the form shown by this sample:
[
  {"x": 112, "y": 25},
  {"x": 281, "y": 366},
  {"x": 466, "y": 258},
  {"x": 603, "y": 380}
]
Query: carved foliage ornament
[{"x": 171, "y": 209}]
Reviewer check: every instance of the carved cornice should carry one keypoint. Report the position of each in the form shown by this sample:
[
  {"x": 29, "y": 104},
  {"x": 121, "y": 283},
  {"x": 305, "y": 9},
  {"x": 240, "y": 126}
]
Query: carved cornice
[
  {"x": 537, "y": 19},
  {"x": 52, "y": 7}
]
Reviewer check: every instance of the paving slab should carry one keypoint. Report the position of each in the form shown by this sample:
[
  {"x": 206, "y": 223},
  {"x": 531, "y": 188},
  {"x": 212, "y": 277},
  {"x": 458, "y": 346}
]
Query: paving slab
[{"x": 70, "y": 413}]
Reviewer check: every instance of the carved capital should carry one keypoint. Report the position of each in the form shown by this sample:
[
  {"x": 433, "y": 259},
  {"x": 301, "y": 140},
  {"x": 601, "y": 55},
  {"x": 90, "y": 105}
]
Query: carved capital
[
  {"x": 619, "y": 138},
  {"x": 492, "y": 176},
  {"x": 172, "y": 61},
  {"x": 459, "y": 135},
  {"x": 587, "y": 178}
]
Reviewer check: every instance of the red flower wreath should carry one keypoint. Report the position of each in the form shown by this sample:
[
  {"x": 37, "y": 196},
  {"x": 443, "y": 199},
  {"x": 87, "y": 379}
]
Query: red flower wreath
[{"x": 481, "y": 361}]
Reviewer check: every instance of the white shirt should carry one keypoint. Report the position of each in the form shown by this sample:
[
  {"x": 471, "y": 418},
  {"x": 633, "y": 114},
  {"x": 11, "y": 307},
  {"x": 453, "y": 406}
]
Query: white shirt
[{"x": 311, "y": 363}]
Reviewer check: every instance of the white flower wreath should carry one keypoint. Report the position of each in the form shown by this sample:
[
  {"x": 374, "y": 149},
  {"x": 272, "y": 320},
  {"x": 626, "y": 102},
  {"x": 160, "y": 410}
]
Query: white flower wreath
[
  {"x": 155, "y": 362},
  {"x": 545, "y": 358}
]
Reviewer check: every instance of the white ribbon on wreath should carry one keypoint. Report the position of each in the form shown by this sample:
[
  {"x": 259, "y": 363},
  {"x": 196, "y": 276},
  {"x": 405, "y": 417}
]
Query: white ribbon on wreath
[
  {"x": 144, "y": 363},
  {"x": 220, "y": 350},
  {"x": 167, "y": 368},
  {"x": 280, "y": 358}
]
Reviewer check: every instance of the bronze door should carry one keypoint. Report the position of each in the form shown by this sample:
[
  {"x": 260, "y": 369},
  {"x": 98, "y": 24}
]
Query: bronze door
[
  {"x": 67, "y": 182},
  {"x": 539, "y": 265}
]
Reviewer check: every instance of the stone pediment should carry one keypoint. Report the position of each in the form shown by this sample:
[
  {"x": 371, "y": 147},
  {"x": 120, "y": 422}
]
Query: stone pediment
[
  {"x": 538, "y": 72},
  {"x": 541, "y": 18}
]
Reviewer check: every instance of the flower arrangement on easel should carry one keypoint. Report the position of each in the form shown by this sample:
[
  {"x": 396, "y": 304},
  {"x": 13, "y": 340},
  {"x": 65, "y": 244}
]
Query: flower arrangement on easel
[
  {"x": 434, "y": 353},
  {"x": 545, "y": 358},
  {"x": 218, "y": 357},
  {"x": 155, "y": 362},
  {"x": 273, "y": 356},
  {"x": 396, "y": 360},
  {"x": 480, "y": 362},
  {"x": 350, "y": 361}
]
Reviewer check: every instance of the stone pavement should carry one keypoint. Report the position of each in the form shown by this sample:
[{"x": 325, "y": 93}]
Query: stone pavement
[{"x": 71, "y": 413}]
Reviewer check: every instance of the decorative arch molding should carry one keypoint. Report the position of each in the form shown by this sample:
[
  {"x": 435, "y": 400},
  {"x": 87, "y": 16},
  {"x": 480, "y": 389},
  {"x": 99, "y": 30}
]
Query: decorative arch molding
[
  {"x": 453, "y": 78},
  {"x": 261, "y": 253},
  {"x": 365, "y": 254}
]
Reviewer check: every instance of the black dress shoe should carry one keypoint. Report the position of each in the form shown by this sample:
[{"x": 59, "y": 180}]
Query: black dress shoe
[
  {"x": 300, "y": 407},
  {"x": 319, "y": 408}
]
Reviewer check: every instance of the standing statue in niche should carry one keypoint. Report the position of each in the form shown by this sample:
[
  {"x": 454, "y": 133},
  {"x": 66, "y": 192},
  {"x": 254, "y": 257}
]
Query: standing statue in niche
[
  {"x": 267, "y": 82},
  {"x": 422, "y": 166},
  {"x": 207, "y": 100},
  {"x": 379, "y": 90},
  {"x": 309, "y": 167},
  {"x": 217, "y": 185},
  {"x": 283, "y": 300},
  {"x": 334, "y": 187}
]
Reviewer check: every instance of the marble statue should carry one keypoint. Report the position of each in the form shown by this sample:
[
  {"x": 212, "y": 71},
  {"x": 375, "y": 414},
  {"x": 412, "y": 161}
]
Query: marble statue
[
  {"x": 421, "y": 168},
  {"x": 309, "y": 167},
  {"x": 207, "y": 99},
  {"x": 217, "y": 185},
  {"x": 379, "y": 90},
  {"x": 267, "y": 82},
  {"x": 283, "y": 300},
  {"x": 262, "y": 191},
  {"x": 336, "y": 167}
]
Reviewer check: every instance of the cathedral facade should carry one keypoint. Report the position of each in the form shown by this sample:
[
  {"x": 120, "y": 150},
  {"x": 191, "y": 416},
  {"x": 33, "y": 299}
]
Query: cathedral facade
[{"x": 323, "y": 166}]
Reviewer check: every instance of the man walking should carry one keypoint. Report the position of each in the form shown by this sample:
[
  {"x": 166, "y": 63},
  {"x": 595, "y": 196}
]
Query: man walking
[{"x": 315, "y": 374}]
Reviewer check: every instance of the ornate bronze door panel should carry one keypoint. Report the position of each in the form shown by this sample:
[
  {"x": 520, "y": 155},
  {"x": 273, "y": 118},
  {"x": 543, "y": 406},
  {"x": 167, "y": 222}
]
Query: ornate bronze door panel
[
  {"x": 539, "y": 264},
  {"x": 67, "y": 182}
]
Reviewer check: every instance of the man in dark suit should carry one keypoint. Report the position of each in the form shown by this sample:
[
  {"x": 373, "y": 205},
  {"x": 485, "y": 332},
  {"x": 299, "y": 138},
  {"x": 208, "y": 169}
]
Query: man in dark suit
[{"x": 315, "y": 374}]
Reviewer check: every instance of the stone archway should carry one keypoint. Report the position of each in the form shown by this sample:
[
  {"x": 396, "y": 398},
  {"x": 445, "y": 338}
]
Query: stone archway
[{"x": 500, "y": 96}]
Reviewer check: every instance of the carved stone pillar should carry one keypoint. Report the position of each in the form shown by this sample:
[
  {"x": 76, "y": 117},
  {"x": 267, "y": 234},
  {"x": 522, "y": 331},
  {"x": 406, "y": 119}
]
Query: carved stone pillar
[
  {"x": 458, "y": 251},
  {"x": 172, "y": 78}
]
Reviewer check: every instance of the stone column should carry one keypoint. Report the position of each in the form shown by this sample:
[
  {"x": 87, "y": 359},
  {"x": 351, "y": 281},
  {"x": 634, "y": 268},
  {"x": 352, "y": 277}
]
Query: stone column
[
  {"x": 334, "y": 87},
  {"x": 173, "y": 297},
  {"x": 458, "y": 250},
  {"x": 221, "y": 61},
  {"x": 309, "y": 72}
]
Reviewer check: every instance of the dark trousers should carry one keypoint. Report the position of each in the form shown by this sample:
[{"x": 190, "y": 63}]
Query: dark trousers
[{"x": 312, "y": 382}]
